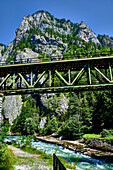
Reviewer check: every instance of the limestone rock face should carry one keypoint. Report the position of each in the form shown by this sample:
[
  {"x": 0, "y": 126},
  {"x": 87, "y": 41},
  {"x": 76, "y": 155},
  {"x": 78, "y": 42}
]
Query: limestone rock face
[
  {"x": 24, "y": 26},
  {"x": 86, "y": 34},
  {"x": 105, "y": 40},
  {"x": 63, "y": 105},
  {"x": 9, "y": 50},
  {"x": 43, "y": 20},
  {"x": 59, "y": 104},
  {"x": 12, "y": 107},
  {"x": 47, "y": 43},
  {"x": 42, "y": 122},
  {"x": 1, "y": 48},
  {"x": 26, "y": 56}
]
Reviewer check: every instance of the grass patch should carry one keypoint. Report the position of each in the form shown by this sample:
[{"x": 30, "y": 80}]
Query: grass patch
[
  {"x": 110, "y": 137},
  {"x": 32, "y": 162},
  {"x": 48, "y": 158},
  {"x": 42, "y": 155},
  {"x": 88, "y": 136},
  {"x": 66, "y": 164},
  {"x": 98, "y": 136},
  {"x": 25, "y": 160}
]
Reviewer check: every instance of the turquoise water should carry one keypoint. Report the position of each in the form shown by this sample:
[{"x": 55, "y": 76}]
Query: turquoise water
[{"x": 83, "y": 162}]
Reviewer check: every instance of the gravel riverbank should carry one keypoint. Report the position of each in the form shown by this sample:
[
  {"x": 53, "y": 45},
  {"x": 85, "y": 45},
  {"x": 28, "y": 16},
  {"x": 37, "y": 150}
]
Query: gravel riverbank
[{"x": 28, "y": 161}]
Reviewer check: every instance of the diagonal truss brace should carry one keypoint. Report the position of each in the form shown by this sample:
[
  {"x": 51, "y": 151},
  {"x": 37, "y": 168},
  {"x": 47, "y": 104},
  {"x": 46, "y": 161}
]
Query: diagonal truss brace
[
  {"x": 102, "y": 74},
  {"x": 5, "y": 79},
  {"x": 62, "y": 78},
  {"x": 24, "y": 79},
  {"x": 78, "y": 74},
  {"x": 39, "y": 78}
]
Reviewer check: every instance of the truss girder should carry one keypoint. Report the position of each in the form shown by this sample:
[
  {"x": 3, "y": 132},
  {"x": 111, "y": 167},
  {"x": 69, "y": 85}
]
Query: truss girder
[{"x": 56, "y": 76}]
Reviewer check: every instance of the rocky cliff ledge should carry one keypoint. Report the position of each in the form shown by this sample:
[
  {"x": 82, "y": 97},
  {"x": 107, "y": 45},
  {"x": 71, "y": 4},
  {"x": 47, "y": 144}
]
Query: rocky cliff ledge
[{"x": 78, "y": 146}]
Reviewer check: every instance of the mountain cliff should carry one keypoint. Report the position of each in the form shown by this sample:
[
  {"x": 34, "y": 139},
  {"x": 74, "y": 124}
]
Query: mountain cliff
[
  {"x": 49, "y": 37},
  {"x": 44, "y": 20},
  {"x": 86, "y": 34}
]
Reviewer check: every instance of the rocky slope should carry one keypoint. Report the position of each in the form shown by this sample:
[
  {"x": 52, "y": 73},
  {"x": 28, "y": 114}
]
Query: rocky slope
[
  {"x": 44, "y": 20},
  {"x": 2, "y": 49},
  {"x": 106, "y": 40},
  {"x": 44, "y": 35},
  {"x": 86, "y": 34},
  {"x": 49, "y": 36}
]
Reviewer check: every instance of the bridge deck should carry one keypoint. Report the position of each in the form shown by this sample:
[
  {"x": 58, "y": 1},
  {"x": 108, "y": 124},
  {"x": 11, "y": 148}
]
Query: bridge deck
[{"x": 76, "y": 64}]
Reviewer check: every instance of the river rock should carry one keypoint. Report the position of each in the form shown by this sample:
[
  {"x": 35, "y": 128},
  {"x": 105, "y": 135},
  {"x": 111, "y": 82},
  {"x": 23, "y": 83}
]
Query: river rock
[{"x": 79, "y": 147}]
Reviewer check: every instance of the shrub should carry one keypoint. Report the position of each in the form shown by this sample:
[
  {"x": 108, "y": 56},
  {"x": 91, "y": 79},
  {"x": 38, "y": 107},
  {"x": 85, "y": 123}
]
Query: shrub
[
  {"x": 3, "y": 133},
  {"x": 105, "y": 132},
  {"x": 6, "y": 157},
  {"x": 111, "y": 131}
]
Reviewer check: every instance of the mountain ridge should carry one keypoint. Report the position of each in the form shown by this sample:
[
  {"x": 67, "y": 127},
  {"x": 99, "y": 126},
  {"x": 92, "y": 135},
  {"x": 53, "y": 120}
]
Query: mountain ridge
[{"x": 51, "y": 37}]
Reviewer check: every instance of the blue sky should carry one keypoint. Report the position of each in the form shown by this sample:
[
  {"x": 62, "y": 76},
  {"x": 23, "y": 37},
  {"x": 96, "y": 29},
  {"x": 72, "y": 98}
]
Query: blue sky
[{"x": 97, "y": 14}]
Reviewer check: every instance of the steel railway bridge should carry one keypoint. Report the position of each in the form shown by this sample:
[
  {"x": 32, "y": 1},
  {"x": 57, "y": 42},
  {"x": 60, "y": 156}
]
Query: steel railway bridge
[{"x": 57, "y": 76}]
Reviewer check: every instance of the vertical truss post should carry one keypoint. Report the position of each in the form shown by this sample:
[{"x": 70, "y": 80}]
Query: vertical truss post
[
  {"x": 110, "y": 71},
  {"x": 69, "y": 75},
  {"x": 53, "y": 77},
  {"x": 4, "y": 84},
  {"x": 20, "y": 82},
  {"x": 14, "y": 80},
  {"x": 89, "y": 73},
  {"x": 31, "y": 77},
  {"x": 50, "y": 77}
]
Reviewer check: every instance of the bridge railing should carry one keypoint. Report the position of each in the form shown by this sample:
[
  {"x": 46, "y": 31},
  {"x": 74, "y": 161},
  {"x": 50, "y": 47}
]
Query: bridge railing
[
  {"x": 57, "y": 165},
  {"x": 65, "y": 57}
]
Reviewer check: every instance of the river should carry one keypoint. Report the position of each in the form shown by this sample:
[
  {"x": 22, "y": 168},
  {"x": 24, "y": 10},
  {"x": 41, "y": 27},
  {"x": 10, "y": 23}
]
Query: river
[{"x": 83, "y": 162}]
